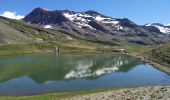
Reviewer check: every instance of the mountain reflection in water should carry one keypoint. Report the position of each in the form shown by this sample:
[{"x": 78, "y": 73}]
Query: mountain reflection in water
[
  {"x": 36, "y": 74},
  {"x": 44, "y": 68}
]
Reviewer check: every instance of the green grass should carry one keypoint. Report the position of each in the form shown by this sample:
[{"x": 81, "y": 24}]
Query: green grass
[
  {"x": 161, "y": 54},
  {"x": 76, "y": 46},
  {"x": 158, "y": 56},
  {"x": 25, "y": 48},
  {"x": 139, "y": 50},
  {"x": 51, "y": 96},
  {"x": 32, "y": 48}
]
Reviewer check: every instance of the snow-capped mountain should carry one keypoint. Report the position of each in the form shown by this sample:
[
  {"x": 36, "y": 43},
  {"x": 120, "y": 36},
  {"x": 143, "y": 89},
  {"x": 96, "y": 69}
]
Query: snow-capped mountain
[
  {"x": 163, "y": 28},
  {"x": 93, "y": 26},
  {"x": 83, "y": 19}
]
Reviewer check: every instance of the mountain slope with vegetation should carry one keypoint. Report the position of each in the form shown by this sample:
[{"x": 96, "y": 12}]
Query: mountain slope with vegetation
[
  {"x": 161, "y": 55},
  {"x": 19, "y": 33},
  {"x": 17, "y": 37}
]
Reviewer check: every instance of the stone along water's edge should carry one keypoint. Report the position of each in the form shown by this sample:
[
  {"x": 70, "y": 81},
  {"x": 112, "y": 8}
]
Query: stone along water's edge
[{"x": 142, "y": 93}]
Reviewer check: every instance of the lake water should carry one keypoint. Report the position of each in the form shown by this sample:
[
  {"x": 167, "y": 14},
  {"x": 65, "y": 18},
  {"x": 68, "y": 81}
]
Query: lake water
[{"x": 36, "y": 74}]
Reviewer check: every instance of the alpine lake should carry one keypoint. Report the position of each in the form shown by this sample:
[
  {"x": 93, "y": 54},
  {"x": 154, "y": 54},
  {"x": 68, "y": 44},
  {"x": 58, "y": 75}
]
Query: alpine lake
[{"x": 68, "y": 72}]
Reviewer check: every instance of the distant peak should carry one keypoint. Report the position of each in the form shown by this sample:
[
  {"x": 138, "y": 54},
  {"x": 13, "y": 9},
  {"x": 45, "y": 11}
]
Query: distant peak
[
  {"x": 67, "y": 11},
  {"x": 40, "y": 9},
  {"x": 157, "y": 24},
  {"x": 91, "y": 12}
]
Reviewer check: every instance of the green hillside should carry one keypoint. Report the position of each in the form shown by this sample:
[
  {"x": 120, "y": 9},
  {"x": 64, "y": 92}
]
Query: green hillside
[
  {"x": 17, "y": 37},
  {"x": 161, "y": 54}
]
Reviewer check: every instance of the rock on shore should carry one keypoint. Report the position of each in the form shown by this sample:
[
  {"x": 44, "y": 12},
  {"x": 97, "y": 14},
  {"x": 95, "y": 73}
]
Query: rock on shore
[{"x": 142, "y": 93}]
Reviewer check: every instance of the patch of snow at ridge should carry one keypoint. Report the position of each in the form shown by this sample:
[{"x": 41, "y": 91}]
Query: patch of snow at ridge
[
  {"x": 84, "y": 15},
  {"x": 119, "y": 27},
  {"x": 79, "y": 19},
  {"x": 111, "y": 22},
  {"x": 81, "y": 24},
  {"x": 148, "y": 25},
  {"x": 77, "y": 16},
  {"x": 48, "y": 27},
  {"x": 70, "y": 16},
  {"x": 82, "y": 19},
  {"x": 45, "y": 9},
  {"x": 163, "y": 29},
  {"x": 99, "y": 18},
  {"x": 106, "y": 20}
]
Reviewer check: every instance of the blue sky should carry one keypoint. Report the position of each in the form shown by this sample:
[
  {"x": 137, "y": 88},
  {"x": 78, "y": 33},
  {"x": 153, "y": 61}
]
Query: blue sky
[{"x": 139, "y": 11}]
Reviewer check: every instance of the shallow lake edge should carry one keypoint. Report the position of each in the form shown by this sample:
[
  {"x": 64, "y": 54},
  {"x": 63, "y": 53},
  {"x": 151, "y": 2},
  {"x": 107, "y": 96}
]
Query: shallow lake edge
[{"x": 128, "y": 93}]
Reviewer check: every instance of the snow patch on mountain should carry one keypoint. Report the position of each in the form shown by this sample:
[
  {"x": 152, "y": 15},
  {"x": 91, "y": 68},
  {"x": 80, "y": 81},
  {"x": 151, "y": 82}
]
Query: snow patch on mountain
[
  {"x": 148, "y": 24},
  {"x": 70, "y": 16},
  {"x": 99, "y": 18},
  {"x": 106, "y": 20},
  {"x": 48, "y": 27},
  {"x": 78, "y": 19},
  {"x": 163, "y": 28},
  {"x": 45, "y": 9},
  {"x": 82, "y": 19}
]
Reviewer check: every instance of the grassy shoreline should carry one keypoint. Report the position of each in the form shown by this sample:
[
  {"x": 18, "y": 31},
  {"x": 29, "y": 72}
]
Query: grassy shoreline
[
  {"x": 143, "y": 53},
  {"x": 139, "y": 52},
  {"x": 97, "y": 94},
  {"x": 41, "y": 48},
  {"x": 153, "y": 63}
]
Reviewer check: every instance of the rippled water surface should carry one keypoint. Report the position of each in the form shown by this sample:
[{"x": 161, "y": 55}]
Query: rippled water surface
[{"x": 35, "y": 74}]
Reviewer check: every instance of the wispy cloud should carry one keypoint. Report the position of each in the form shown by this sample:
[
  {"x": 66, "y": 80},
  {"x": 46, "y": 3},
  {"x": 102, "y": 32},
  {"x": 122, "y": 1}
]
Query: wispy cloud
[{"x": 11, "y": 15}]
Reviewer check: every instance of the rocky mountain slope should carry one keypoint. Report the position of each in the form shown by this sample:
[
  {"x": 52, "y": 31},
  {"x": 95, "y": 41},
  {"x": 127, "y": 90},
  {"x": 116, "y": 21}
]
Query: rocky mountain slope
[
  {"x": 93, "y": 26},
  {"x": 17, "y": 32},
  {"x": 17, "y": 37},
  {"x": 9, "y": 35},
  {"x": 163, "y": 28}
]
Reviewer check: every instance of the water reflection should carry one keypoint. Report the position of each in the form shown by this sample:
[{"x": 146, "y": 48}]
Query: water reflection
[
  {"x": 34, "y": 74},
  {"x": 99, "y": 66},
  {"x": 63, "y": 66}
]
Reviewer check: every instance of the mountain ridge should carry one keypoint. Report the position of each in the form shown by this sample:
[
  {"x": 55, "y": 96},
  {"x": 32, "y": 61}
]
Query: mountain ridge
[{"x": 93, "y": 26}]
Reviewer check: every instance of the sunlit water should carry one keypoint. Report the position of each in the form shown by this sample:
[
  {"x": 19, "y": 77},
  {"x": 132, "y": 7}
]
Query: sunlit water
[{"x": 36, "y": 74}]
